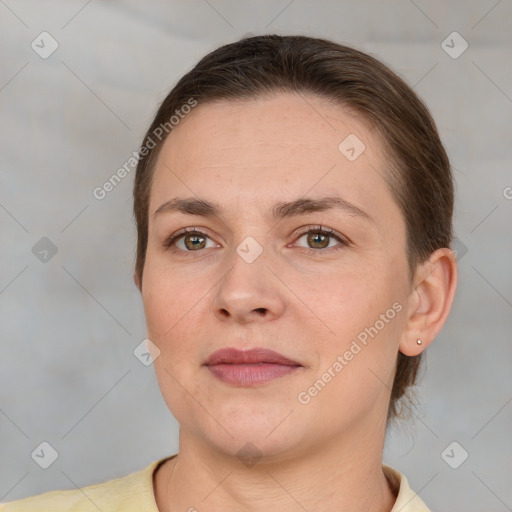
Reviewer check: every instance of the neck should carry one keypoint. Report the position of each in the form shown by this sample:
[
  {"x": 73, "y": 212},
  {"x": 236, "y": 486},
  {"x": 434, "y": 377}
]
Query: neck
[{"x": 342, "y": 474}]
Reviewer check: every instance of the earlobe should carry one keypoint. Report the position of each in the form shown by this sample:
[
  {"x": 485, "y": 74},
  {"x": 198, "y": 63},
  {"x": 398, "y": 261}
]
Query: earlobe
[{"x": 430, "y": 301}]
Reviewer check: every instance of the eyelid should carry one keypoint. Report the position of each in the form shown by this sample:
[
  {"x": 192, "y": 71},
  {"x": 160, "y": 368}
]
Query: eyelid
[
  {"x": 323, "y": 229},
  {"x": 175, "y": 237}
]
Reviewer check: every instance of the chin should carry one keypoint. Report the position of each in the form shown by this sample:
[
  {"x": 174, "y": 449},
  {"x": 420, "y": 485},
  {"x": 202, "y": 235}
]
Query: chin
[
  {"x": 251, "y": 448},
  {"x": 251, "y": 436}
]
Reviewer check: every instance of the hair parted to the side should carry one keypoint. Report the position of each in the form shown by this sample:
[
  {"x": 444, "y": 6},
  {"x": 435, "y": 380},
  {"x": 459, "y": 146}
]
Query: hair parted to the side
[{"x": 417, "y": 168}]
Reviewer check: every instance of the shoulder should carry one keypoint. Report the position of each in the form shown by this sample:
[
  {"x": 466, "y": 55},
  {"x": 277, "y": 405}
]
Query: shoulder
[
  {"x": 406, "y": 500},
  {"x": 130, "y": 493}
]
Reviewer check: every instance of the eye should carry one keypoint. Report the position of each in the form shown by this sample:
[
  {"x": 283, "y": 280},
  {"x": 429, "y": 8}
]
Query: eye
[
  {"x": 188, "y": 240},
  {"x": 319, "y": 238}
]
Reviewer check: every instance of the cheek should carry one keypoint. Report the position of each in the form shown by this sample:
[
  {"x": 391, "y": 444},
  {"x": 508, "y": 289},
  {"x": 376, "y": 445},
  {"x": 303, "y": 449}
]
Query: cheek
[
  {"x": 364, "y": 311},
  {"x": 172, "y": 323},
  {"x": 176, "y": 317},
  {"x": 159, "y": 307},
  {"x": 350, "y": 299},
  {"x": 165, "y": 298}
]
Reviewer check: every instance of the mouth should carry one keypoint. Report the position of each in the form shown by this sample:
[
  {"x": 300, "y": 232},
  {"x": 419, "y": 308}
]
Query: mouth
[{"x": 249, "y": 368}]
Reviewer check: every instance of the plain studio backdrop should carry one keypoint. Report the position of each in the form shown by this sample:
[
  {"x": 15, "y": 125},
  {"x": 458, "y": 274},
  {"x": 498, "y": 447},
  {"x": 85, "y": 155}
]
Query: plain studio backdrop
[{"x": 79, "y": 84}]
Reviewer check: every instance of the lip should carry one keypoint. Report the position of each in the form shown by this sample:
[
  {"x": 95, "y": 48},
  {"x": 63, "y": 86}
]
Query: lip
[
  {"x": 251, "y": 367},
  {"x": 254, "y": 356}
]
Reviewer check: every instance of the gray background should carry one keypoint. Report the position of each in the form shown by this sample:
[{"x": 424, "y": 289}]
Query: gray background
[{"x": 69, "y": 325}]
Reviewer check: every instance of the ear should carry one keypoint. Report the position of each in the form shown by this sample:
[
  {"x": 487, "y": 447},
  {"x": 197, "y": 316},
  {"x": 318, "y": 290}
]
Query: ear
[{"x": 430, "y": 301}]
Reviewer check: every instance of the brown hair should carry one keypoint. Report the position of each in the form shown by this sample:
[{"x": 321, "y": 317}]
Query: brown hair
[{"x": 418, "y": 170}]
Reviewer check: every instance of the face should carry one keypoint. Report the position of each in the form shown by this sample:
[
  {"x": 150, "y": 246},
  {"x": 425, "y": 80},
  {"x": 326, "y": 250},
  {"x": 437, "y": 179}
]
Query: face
[{"x": 249, "y": 275}]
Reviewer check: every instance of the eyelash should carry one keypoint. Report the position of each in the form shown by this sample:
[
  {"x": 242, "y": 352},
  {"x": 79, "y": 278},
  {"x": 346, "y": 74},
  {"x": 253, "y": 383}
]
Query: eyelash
[{"x": 318, "y": 230}]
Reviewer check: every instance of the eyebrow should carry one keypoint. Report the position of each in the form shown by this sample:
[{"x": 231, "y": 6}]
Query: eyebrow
[{"x": 301, "y": 206}]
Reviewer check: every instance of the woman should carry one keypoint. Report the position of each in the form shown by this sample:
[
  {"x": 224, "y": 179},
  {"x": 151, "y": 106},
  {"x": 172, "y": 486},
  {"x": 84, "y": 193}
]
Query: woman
[{"x": 294, "y": 212}]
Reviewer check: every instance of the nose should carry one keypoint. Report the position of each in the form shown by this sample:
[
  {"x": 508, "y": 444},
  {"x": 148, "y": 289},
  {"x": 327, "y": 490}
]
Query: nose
[{"x": 248, "y": 292}]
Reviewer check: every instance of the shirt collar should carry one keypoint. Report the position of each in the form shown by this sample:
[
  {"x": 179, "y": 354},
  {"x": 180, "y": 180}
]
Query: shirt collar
[{"x": 406, "y": 499}]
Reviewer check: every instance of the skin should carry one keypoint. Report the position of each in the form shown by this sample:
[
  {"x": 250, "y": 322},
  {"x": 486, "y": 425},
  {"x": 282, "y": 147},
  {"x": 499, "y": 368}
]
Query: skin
[{"x": 327, "y": 454}]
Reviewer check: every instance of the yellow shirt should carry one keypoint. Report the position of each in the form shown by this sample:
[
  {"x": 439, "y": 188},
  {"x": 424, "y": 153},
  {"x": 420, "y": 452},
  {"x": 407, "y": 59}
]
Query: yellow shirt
[{"x": 134, "y": 493}]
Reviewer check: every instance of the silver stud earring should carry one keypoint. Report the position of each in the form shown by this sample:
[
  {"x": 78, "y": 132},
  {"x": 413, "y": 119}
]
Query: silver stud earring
[{"x": 418, "y": 341}]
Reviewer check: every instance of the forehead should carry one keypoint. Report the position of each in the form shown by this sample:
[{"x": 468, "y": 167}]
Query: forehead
[
  {"x": 283, "y": 121},
  {"x": 276, "y": 147}
]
